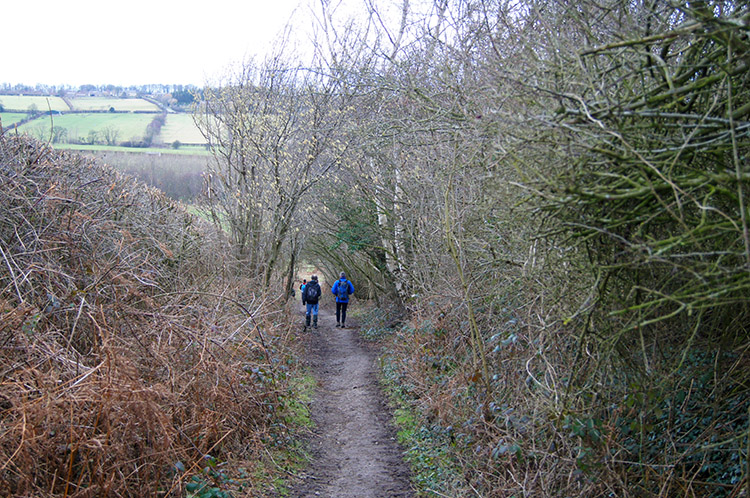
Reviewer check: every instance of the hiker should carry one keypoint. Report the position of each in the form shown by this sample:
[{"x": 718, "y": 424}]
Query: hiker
[
  {"x": 342, "y": 289},
  {"x": 302, "y": 291},
  {"x": 311, "y": 295}
]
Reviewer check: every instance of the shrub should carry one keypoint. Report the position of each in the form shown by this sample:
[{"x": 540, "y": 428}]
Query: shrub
[{"x": 117, "y": 354}]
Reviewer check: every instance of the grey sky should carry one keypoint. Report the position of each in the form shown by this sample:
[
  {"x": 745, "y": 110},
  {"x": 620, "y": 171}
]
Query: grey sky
[{"x": 135, "y": 42}]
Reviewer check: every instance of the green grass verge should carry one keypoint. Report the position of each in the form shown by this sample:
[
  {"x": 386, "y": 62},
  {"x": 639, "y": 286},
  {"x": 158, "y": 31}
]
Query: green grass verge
[
  {"x": 285, "y": 455},
  {"x": 302, "y": 390},
  {"x": 429, "y": 447},
  {"x": 288, "y": 454}
]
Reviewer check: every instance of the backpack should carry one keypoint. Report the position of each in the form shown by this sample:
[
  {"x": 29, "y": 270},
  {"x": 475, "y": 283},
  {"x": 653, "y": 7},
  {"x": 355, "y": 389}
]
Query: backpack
[
  {"x": 312, "y": 293},
  {"x": 342, "y": 292}
]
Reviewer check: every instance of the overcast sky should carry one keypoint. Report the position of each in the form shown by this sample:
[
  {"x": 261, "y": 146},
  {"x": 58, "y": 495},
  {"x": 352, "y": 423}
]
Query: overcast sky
[{"x": 137, "y": 41}]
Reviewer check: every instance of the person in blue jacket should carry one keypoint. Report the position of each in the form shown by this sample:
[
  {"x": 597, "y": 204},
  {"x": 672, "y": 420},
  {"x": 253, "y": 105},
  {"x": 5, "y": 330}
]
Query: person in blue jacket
[{"x": 342, "y": 289}]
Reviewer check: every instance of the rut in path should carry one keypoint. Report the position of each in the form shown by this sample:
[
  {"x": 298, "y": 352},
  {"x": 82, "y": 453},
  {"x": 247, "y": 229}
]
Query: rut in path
[{"x": 355, "y": 453}]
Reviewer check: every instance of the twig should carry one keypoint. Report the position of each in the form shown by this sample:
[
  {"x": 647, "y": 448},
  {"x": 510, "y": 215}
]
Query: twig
[
  {"x": 20, "y": 445},
  {"x": 195, "y": 464},
  {"x": 12, "y": 274}
]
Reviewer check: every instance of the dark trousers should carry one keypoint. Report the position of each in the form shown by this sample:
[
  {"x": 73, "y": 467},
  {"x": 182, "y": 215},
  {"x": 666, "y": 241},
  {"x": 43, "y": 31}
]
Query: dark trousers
[{"x": 341, "y": 312}]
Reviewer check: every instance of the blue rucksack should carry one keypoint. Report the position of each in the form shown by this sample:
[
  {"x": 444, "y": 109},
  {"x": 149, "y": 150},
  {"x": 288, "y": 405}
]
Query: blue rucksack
[{"x": 342, "y": 292}]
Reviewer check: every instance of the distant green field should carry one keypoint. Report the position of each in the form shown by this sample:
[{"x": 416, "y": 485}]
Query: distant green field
[
  {"x": 105, "y": 103},
  {"x": 80, "y": 125},
  {"x": 182, "y": 151},
  {"x": 8, "y": 118},
  {"x": 23, "y": 102},
  {"x": 180, "y": 127}
]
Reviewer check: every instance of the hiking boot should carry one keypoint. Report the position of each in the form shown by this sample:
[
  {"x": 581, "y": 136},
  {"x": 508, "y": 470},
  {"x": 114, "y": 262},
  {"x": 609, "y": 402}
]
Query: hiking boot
[
  {"x": 315, "y": 321},
  {"x": 338, "y": 324},
  {"x": 343, "y": 326},
  {"x": 307, "y": 320}
]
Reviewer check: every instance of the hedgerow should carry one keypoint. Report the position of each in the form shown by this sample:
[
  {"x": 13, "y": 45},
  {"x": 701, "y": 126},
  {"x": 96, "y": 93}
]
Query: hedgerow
[{"x": 136, "y": 361}]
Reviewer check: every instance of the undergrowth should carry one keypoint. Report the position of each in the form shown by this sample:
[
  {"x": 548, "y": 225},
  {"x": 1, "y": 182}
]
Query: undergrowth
[
  {"x": 288, "y": 451},
  {"x": 429, "y": 448},
  {"x": 539, "y": 434},
  {"x": 138, "y": 359}
]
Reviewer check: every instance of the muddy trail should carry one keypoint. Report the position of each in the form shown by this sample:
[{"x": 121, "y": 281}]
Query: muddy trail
[{"x": 354, "y": 449}]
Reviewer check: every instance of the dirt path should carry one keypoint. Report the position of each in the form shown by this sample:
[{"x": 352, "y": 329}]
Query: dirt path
[{"x": 354, "y": 448}]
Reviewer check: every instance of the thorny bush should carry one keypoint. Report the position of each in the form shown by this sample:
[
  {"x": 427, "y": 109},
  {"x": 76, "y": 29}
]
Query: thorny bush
[{"x": 126, "y": 361}]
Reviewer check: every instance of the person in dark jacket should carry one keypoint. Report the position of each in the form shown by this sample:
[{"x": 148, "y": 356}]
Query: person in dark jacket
[
  {"x": 311, "y": 296},
  {"x": 342, "y": 289}
]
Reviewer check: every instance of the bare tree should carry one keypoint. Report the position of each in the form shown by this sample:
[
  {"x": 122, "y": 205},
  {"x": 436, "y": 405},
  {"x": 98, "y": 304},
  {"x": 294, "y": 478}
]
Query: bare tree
[
  {"x": 111, "y": 134},
  {"x": 276, "y": 130}
]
